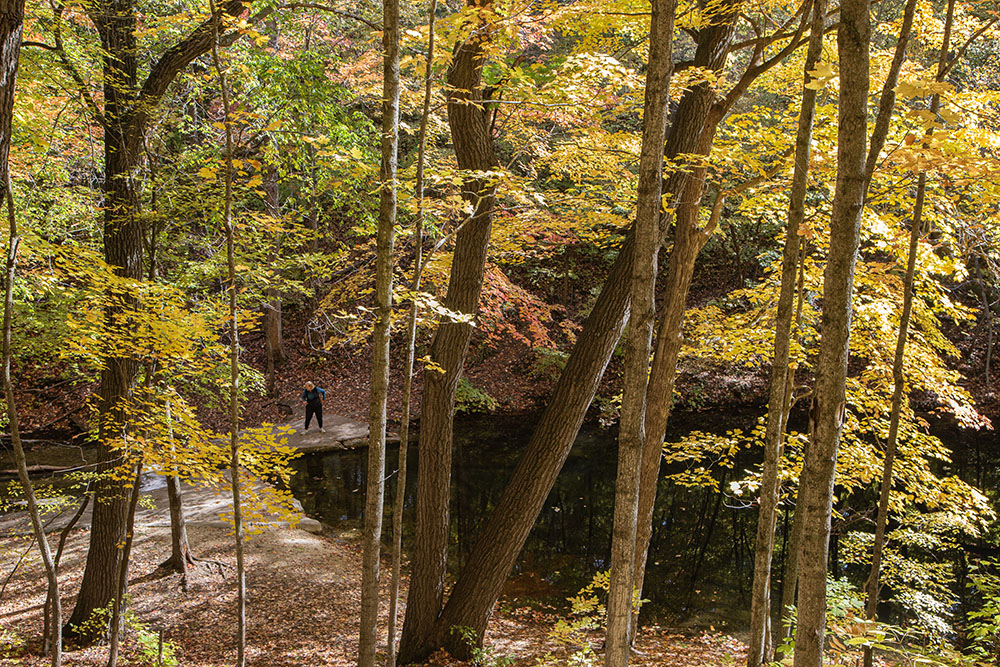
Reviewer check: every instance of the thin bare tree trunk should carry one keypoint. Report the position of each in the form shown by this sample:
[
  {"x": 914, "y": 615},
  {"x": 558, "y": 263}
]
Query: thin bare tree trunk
[
  {"x": 760, "y": 606},
  {"x": 375, "y": 487},
  {"x": 180, "y": 550},
  {"x": 639, "y": 339},
  {"x": 872, "y": 584},
  {"x": 273, "y": 339},
  {"x": 11, "y": 28},
  {"x": 118, "y": 606},
  {"x": 988, "y": 312},
  {"x": 411, "y": 347},
  {"x": 49, "y": 631},
  {"x": 234, "y": 349},
  {"x": 816, "y": 494}
]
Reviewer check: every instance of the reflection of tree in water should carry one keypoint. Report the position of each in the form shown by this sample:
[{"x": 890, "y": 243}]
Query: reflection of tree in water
[{"x": 701, "y": 546}]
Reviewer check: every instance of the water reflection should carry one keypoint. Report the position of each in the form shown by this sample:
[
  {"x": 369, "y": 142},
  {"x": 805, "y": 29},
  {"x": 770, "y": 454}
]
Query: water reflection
[{"x": 701, "y": 554}]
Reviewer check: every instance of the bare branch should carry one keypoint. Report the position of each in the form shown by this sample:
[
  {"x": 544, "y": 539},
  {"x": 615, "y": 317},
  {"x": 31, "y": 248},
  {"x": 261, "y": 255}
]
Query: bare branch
[{"x": 331, "y": 10}]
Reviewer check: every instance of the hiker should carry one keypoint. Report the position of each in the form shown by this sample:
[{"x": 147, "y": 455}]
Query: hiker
[{"x": 313, "y": 396}]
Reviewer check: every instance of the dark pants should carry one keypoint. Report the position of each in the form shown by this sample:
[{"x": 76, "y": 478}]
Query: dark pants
[{"x": 314, "y": 408}]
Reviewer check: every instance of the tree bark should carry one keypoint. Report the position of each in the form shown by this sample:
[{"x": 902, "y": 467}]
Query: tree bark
[
  {"x": 816, "y": 494},
  {"x": 411, "y": 347},
  {"x": 116, "y": 23},
  {"x": 698, "y": 117},
  {"x": 468, "y": 119},
  {"x": 11, "y": 30},
  {"x": 638, "y": 343},
  {"x": 881, "y": 521},
  {"x": 375, "y": 487},
  {"x": 118, "y": 606},
  {"x": 781, "y": 375}
]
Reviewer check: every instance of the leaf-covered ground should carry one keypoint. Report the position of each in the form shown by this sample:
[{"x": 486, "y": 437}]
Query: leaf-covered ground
[{"x": 303, "y": 602}]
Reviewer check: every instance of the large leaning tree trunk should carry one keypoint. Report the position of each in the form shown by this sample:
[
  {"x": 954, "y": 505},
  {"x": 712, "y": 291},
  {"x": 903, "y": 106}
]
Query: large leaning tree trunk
[
  {"x": 11, "y": 29},
  {"x": 468, "y": 120},
  {"x": 127, "y": 108},
  {"x": 916, "y": 223},
  {"x": 638, "y": 341},
  {"x": 375, "y": 487},
  {"x": 498, "y": 545},
  {"x": 781, "y": 375},
  {"x": 816, "y": 494}
]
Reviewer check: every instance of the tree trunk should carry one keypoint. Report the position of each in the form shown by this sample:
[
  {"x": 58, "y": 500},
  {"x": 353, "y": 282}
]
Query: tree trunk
[
  {"x": 697, "y": 119},
  {"x": 11, "y": 29},
  {"x": 469, "y": 123},
  {"x": 116, "y": 23},
  {"x": 816, "y": 494},
  {"x": 498, "y": 545},
  {"x": 411, "y": 347},
  {"x": 781, "y": 375},
  {"x": 180, "y": 550},
  {"x": 872, "y": 584},
  {"x": 988, "y": 313},
  {"x": 643, "y": 282},
  {"x": 375, "y": 487},
  {"x": 118, "y": 606},
  {"x": 273, "y": 340},
  {"x": 234, "y": 347},
  {"x": 127, "y": 108}
]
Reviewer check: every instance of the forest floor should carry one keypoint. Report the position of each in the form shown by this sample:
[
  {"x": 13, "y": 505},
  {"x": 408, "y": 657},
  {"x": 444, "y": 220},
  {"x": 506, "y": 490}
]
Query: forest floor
[{"x": 302, "y": 610}]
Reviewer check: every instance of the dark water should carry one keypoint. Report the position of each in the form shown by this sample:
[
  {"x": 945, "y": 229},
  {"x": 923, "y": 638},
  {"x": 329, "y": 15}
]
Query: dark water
[{"x": 701, "y": 556}]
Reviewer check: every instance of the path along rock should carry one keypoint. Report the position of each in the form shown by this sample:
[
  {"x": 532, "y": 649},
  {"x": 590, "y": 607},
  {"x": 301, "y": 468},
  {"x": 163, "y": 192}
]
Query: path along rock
[{"x": 202, "y": 506}]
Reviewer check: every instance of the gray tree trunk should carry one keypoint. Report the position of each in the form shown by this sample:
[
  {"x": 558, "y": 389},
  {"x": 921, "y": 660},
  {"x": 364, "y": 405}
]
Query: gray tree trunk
[
  {"x": 816, "y": 494},
  {"x": 411, "y": 347},
  {"x": 638, "y": 342},
  {"x": 234, "y": 348},
  {"x": 118, "y": 606},
  {"x": 375, "y": 487},
  {"x": 781, "y": 377},
  {"x": 273, "y": 340},
  {"x": 180, "y": 550},
  {"x": 881, "y": 521}
]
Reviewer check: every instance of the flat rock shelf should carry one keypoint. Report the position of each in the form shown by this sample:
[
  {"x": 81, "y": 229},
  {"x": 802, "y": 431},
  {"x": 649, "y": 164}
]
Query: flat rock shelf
[{"x": 341, "y": 433}]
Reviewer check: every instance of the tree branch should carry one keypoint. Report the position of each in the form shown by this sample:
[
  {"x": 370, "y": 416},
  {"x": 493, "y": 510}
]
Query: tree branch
[
  {"x": 177, "y": 58},
  {"x": 70, "y": 68},
  {"x": 331, "y": 10}
]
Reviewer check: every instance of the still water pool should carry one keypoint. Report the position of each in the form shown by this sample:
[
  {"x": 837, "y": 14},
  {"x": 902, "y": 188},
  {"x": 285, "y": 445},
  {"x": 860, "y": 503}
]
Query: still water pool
[{"x": 701, "y": 555}]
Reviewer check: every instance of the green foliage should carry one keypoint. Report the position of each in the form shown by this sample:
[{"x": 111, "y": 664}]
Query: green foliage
[
  {"x": 982, "y": 629},
  {"x": 484, "y": 656},
  {"x": 470, "y": 399},
  {"x": 848, "y": 633},
  {"x": 587, "y": 615}
]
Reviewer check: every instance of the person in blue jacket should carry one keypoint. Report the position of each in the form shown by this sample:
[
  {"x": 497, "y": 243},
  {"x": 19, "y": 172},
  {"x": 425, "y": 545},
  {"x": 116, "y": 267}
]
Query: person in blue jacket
[{"x": 313, "y": 396}]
